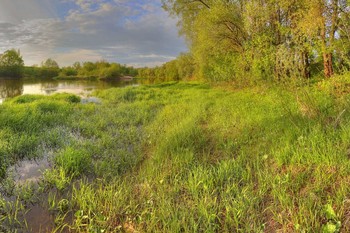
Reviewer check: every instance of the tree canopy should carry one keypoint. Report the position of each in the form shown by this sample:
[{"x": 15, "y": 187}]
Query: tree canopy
[
  {"x": 265, "y": 38},
  {"x": 50, "y": 63},
  {"x": 11, "y": 63}
]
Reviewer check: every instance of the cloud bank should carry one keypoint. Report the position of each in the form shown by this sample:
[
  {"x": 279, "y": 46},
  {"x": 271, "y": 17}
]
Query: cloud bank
[{"x": 133, "y": 32}]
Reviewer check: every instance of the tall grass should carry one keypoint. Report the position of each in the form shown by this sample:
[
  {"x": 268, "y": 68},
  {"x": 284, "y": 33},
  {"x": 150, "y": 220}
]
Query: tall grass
[{"x": 184, "y": 157}]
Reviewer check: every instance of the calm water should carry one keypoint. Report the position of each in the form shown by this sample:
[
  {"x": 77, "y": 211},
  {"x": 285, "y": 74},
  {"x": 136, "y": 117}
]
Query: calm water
[{"x": 15, "y": 87}]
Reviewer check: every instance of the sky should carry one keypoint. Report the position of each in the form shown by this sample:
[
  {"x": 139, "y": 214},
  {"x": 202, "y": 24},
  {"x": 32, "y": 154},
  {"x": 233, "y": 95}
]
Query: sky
[{"x": 132, "y": 32}]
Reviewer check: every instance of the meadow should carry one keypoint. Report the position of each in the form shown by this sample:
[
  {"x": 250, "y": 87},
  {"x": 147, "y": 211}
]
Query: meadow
[{"x": 183, "y": 157}]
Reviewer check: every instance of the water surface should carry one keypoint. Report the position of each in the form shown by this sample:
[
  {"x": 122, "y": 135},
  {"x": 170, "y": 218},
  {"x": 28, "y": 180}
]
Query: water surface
[{"x": 11, "y": 87}]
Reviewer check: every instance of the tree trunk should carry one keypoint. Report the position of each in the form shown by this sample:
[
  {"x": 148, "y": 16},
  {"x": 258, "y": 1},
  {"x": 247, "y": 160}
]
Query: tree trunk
[
  {"x": 327, "y": 64},
  {"x": 306, "y": 64},
  {"x": 327, "y": 56}
]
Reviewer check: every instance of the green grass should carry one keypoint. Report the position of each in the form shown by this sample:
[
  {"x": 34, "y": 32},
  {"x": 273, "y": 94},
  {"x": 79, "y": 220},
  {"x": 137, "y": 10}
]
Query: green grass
[{"x": 185, "y": 157}]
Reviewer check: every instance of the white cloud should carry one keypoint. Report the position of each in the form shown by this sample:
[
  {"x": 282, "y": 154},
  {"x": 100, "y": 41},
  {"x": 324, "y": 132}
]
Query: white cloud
[
  {"x": 119, "y": 31},
  {"x": 14, "y": 11},
  {"x": 155, "y": 56},
  {"x": 81, "y": 55}
]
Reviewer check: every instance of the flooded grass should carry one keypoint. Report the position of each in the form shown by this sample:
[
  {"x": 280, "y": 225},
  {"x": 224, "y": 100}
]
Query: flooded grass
[
  {"x": 178, "y": 157},
  {"x": 29, "y": 170}
]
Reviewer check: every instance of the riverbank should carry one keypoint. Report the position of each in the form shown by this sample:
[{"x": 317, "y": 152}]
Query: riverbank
[
  {"x": 12, "y": 87},
  {"x": 95, "y": 78},
  {"x": 184, "y": 157}
]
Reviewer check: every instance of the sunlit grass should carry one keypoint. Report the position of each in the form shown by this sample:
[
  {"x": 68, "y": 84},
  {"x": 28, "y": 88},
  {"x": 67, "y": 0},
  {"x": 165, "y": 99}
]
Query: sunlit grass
[{"x": 184, "y": 157}]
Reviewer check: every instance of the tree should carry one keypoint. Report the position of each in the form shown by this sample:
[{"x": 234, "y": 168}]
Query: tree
[
  {"x": 77, "y": 65},
  {"x": 49, "y": 68},
  {"x": 50, "y": 63},
  {"x": 11, "y": 63},
  {"x": 213, "y": 29},
  {"x": 320, "y": 24}
]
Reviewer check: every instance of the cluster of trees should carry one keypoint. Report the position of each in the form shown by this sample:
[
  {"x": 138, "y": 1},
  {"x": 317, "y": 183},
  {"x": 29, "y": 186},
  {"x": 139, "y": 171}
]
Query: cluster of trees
[
  {"x": 265, "y": 38},
  {"x": 48, "y": 69},
  {"x": 96, "y": 70},
  {"x": 99, "y": 69},
  {"x": 180, "y": 68},
  {"x": 12, "y": 65}
]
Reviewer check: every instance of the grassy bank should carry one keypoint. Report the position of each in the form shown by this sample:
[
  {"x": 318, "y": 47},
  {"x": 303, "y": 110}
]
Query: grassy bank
[
  {"x": 61, "y": 77},
  {"x": 185, "y": 157}
]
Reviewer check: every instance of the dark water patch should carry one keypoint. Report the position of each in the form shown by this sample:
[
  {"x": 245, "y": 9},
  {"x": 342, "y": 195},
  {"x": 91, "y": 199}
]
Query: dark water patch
[{"x": 39, "y": 219}]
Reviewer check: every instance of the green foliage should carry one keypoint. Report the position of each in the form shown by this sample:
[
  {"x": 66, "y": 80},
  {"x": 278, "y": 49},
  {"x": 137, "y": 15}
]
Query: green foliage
[
  {"x": 269, "y": 40},
  {"x": 104, "y": 70},
  {"x": 87, "y": 70},
  {"x": 11, "y": 64},
  {"x": 330, "y": 213},
  {"x": 49, "y": 69},
  {"x": 332, "y": 226},
  {"x": 68, "y": 71},
  {"x": 180, "y": 69},
  {"x": 40, "y": 72},
  {"x": 50, "y": 64}
]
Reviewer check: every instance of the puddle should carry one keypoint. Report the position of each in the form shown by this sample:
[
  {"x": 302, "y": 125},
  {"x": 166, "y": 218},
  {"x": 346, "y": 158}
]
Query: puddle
[
  {"x": 39, "y": 219},
  {"x": 94, "y": 100},
  {"x": 29, "y": 170}
]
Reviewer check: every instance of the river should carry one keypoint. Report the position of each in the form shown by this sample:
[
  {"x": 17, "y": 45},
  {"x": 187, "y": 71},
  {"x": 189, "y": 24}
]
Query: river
[{"x": 11, "y": 87}]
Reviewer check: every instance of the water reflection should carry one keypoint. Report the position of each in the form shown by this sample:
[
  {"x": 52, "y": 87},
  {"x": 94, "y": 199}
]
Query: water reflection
[
  {"x": 14, "y": 87},
  {"x": 29, "y": 170},
  {"x": 10, "y": 87}
]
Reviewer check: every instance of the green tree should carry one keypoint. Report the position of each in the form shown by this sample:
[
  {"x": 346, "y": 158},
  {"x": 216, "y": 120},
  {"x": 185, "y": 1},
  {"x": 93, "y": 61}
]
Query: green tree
[
  {"x": 264, "y": 38},
  {"x": 11, "y": 63},
  {"x": 49, "y": 68},
  {"x": 50, "y": 63},
  {"x": 77, "y": 65}
]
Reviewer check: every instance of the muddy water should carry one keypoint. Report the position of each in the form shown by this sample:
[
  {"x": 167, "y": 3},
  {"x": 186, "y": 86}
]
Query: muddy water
[{"x": 39, "y": 219}]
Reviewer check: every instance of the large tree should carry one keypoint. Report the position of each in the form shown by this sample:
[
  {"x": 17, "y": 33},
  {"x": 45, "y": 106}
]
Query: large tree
[{"x": 11, "y": 63}]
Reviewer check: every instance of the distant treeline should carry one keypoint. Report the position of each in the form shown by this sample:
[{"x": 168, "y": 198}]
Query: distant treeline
[
  {"x": 99, "y": 69},
  {"x": 181, "y": 68},
  {"x": 12, "y": 65}
]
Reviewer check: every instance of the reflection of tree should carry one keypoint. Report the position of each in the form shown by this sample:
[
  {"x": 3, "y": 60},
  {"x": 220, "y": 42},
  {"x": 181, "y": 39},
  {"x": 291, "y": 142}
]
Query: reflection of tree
[
  {"x": 11, "y": 87},
  {"x": 49, "y": 87},
  {"x": 50, "y": 91},
  {"x": 117, "y": 83}
]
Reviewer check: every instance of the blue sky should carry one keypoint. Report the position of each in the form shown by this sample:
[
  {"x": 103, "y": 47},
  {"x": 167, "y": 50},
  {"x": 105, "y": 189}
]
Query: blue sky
[{"x": 134, "y": 32}]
